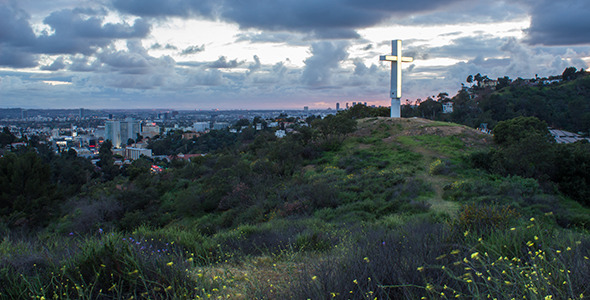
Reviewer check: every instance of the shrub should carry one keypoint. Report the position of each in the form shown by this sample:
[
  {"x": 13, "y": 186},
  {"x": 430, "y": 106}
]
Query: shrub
[
  {"x": 437, "y": 167},
  {"x": 379, "y": 264},
  {"x": 484, "y": 218}
]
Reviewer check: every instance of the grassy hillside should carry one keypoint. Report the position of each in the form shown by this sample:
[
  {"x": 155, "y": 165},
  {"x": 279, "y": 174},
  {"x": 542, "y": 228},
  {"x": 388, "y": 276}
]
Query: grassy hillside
[{"x": 392, "y": 210}]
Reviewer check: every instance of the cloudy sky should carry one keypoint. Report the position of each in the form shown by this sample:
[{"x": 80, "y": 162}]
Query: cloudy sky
[{"x": 252, "y": 54}]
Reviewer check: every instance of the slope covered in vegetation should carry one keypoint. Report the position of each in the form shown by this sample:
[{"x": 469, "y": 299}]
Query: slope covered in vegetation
[
  {"x": 347, "y": 209},
  {"x": 562, "y": 105}
]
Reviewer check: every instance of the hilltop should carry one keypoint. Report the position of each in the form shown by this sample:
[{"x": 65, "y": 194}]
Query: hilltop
[{"x": 347, "y": 209}]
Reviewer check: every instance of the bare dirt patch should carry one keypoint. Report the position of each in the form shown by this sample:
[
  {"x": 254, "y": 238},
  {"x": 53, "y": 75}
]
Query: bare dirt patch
[{"x": 418, "y": 126}]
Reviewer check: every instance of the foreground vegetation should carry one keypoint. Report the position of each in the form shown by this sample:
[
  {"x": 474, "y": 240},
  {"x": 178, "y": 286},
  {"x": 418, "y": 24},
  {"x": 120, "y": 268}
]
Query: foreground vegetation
[{"x": 355, "y": 207}]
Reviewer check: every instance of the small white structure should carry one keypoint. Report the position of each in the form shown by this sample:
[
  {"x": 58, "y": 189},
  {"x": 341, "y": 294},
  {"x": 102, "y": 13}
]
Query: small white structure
[
  {"x": 447, "y": 107},
  {"x": 396, "y": 60},
  {"x": 280, "y": 134}
]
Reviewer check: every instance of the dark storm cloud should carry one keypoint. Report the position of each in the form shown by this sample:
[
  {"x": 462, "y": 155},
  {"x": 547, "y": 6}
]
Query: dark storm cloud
[
  {"x": 193, "y": 49},
  {"x": 158, "y": 8},
  {"x": 323, "y": 19},
  {"x": 16, "y": 58},
  {"x": 14, "y": 27},
  {"x": 71, "y": 31},
  {"x": 83, "y": 31},
  {"x": 16, "y": 38},
  {"x": 560, "y": 22},
  {"x": 135, "y": 60},
  {"x": 470, "y": 12},
  {"x": 327, "y": 19},
  {"x": 326, "y": 57}
]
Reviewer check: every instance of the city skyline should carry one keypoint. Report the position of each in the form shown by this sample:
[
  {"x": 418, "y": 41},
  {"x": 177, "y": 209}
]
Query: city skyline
[{"x": 272, "y": 55}]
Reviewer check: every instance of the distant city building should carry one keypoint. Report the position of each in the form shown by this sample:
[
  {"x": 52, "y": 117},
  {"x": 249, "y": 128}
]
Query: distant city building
[
  {"x": 83, "y": 152},
  {"x": 337, "y": 106},
  {"x": 306, "y": 108},
  {"x": 201, "y": 126},
  {"x": 149, "y": 130},
  {"x": 119, "y": 132},
  {"x": 133, "y": 153},
  {"x": 220, "y": 125}
]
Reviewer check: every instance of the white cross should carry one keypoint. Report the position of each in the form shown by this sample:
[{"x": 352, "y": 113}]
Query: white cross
[{"x": 396, "y": 60}]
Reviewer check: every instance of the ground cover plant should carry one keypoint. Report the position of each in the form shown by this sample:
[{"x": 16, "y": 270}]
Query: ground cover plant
[{"x": 354, "y": 207}]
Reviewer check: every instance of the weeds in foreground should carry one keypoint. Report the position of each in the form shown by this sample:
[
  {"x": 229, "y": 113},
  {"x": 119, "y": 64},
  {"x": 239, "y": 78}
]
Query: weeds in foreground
[{"x": 529, "y": 261}]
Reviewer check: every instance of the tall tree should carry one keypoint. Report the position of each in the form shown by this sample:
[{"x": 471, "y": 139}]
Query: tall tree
[{"x": 107, "y": 161}]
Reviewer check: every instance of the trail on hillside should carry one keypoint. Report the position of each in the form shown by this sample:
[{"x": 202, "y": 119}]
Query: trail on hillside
[{"x": 427, "y": 138}]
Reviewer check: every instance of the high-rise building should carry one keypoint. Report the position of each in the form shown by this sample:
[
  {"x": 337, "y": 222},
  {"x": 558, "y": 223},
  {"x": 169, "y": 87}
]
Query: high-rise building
[
  {"x": 306, "y": 108},
  {"x": 337, "y": 106},
  {"x": 119, "y": 132}
]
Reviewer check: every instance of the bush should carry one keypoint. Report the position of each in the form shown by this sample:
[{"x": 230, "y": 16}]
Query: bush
[{"x": 484, "y": 218}]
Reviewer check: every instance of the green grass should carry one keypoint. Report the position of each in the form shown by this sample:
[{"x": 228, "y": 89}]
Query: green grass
[{"x": 449, "y": 146}]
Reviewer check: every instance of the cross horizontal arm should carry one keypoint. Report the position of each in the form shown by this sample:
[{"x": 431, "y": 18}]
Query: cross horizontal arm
[{"x": 394, "y": 58}]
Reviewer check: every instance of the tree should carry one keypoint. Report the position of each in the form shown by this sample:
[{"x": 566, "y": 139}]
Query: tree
[
  {"x": 6, "y": 137},
  {"x": 25, "y": 187},
  {"x": 503, "y": 82},
  {"x": 514, "y": 130},
  {"x": 442, "y": 96},
  {"x": 241, "y": 123},
  {"x": 430, "y": 108},
  {"x": 478, "y": 78},
  {"x": 569, "y": 74},
  {"x": 470, "y": 79},
  {"x": 107, "y": 161},
  {"x": 526, "y": 148}
]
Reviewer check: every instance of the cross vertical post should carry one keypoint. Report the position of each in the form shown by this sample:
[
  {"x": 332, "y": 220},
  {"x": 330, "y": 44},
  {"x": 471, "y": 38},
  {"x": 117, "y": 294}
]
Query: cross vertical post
[{"x": 396, "y": 60}]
